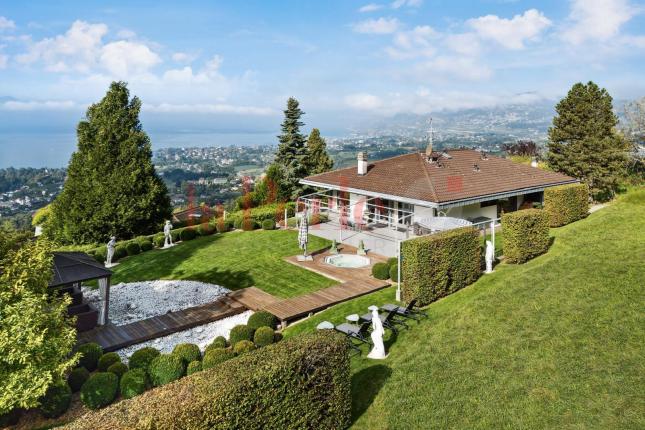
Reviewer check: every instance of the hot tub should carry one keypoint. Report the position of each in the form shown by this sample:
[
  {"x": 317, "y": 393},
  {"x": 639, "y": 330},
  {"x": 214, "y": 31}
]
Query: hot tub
[{"x": 348, "y": 261}]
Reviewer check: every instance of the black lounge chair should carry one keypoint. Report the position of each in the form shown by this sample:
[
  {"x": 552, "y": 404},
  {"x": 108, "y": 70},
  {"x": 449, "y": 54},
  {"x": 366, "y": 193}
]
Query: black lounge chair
[
  {"x": 410, "y": 311},
  {"x": 388, "y": 319},
  {"x": 355, "y": 332}
]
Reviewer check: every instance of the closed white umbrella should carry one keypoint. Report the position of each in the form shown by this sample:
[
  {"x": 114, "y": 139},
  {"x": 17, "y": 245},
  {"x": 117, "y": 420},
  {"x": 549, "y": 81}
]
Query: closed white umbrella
[{"x": 303, "y": 233}]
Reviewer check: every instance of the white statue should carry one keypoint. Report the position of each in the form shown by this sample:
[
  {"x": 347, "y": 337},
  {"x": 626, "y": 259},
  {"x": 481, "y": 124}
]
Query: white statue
[
  {"x": 167, "y": 228},
  {"x": 378, "y": 351},
  {"x": 490, "y": 256},
  {"x": 110, "y": 251}
]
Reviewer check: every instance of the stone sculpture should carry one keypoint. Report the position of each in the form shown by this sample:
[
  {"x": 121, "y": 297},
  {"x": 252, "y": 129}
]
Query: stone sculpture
[
  {"x": 378, "y": 351},
  {"x": 490, "y": 256},
  {"x": 111, "y": 245},
  {"x": 167, "y": 228}
]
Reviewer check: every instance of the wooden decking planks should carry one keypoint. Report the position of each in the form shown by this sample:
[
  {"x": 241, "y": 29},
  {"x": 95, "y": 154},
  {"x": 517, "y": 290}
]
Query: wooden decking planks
[{"x": 253, "y": 298}]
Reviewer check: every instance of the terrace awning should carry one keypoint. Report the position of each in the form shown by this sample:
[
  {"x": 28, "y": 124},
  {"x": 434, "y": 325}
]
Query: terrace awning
[{"x": 443, "y": 223}]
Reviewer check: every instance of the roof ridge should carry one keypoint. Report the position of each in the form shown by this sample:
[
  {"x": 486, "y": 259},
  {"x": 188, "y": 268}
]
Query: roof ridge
[
  {"x": 368, "y": 162},
  {"x": 424, "y": 167}
]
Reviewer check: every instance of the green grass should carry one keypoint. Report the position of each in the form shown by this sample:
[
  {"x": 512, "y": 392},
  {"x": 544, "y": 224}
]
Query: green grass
[
  {"x": 555, "y": 343},
  {"x": 234, "y": 260}
]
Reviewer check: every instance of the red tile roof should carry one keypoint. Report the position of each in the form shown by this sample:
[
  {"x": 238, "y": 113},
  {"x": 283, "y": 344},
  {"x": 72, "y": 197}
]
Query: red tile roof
[{"x": 451, "y": 178}]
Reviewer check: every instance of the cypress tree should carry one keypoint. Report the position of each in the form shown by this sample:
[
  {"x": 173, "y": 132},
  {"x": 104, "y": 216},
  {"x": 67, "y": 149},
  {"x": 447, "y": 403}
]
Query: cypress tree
[
  {"x": 112, "y": 187},
  {"x": 318, "y": 160},
  {"x": 583, "y": 141},
  {"x": 291, "y": 155}
]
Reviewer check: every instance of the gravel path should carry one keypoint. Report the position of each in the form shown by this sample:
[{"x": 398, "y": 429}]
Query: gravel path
[{"x": 135, "y": 301}]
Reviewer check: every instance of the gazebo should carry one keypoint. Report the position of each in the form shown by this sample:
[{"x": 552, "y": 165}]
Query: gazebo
[{"x": 72, "y": 268}]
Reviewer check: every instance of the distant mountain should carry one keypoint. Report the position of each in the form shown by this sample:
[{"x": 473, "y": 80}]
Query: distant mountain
[{"x": 4, "y": 99}]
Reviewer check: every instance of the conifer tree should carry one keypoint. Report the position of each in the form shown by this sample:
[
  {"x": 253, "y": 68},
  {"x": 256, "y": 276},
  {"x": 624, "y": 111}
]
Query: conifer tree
[
  {"x": 112, "y": 187},
  {"x": 318, "y": 160},
  {"x": 292, "y": 152}
]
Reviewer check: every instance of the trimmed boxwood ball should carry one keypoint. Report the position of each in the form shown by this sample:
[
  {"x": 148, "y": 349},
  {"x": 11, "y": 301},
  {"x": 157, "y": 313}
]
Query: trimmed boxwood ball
[
  {"x": 165, "y": 369},
  {"x": 381, "y": 271},
  {"x": 268, "y": 224},
  {"x": 194, "y": 367},
  {"x": 118, "y": 369},
  {"x": 188, "y": 233},
  {"x": 240, "y": 332},
  {"x": 243, "y": 346},
  {"x": 56, "y": 400},
  {"x": 394, "y": 273},
  {"x": 159, "y": 240},
  {"x": 90, "y": 354},
  {"x": 215, "y": 356},
  {"x": 262, "y": 319},
  {"x": 263, "y": 336},
  {"x": 108, "y": 359},
  {"x": 219, "y": 342},
  {"x": 142, "y": 358},
  {"x": 120, "y": 251},
  {"x": 100, "y": 390},
  {"x": 133, "y": 248},
  {"x": 392, "y": 261},
  {"x": 146, "y": 245},
  {"x": 77, "y": 378},
  {"x": 133, "y": 383},
  {"x": 187, "y": 352}
]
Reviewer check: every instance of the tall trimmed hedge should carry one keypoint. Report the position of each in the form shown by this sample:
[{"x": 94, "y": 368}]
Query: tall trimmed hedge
[
  {"x": 440, "y": 264},
  {"x": 566, "y": 203},
  {"x": 526, "y": 234},
  {"x": 303, "y": 382}
]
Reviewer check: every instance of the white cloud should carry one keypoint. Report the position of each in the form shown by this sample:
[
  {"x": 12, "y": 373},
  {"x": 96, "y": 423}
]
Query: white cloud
[
  {"x": 126, "y": 34},
  {"x": 183, "y": 57},
  {"x": 598, "y": 20},
  {"x": 37, "y": 105},
  {"x": 511, "y": 33},
  {"x": 6, "y": 24},
  {"x": 218, "y": 108},
  {"x": 463, "y": 43},
  {"x": 370, "y": 7},
  {"x": 363, "y": 101},
  {"x": 450, "y": 67},
  {"x": 124, "y": 59},
  {"x": 377, "y": 26},
  {"x": 414, "y": 43},
  {"x": 396, "y": 4},
  {"x": 4, "y": 59}
]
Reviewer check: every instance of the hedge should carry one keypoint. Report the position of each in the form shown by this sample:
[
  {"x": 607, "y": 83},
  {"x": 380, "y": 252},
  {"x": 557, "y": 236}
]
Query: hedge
[
  {"x": 303, "y": 382},
  {"x": 381, "y": 271},
  {"x": 205, "y": 229},
  {"x": 108, "y": 359},
  {"x": 274, "y": 211},
  {"x": 141, "y": 358},
  {"x": 187, "y": 233},
  {"x": 100, "y": 390},
  {"x": 437, "y": 265},
  {"x": 90, "y": 354},
  {"x": 77, "y": 378},
  {"x": 120, "y": 251},
  {"x": 159, "y": 240},
  {"x": 133, "y": 248},
  {"x": 146, "y": 245},
  {"x": 166, "y": 368},
  {"x": 262, "y": 319},
  {"x": 56, "y": 400},
  {"x": 566, "y": 203},
  {"x": 526, "y": 234},
  {"x": 133, "y": 383}
]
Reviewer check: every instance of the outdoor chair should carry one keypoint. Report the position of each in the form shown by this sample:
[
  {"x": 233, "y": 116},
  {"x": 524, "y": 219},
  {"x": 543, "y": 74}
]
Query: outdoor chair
[
  {"x": 389, "y": 320},
  {"x": 355, "y": 332},
  {"x": 410, "y": 311}
]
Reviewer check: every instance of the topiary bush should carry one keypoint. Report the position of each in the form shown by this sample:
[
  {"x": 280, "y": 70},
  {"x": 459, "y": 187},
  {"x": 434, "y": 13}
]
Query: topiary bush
[
  {"x": 219, "y": 342},
  {"x": 159, "y": 240},
  {"x": 439, "y": 264},
  {"x": 187, "y": 233},
  {"x": 268, "y": 224},
  {"x": 77, "y": 378},
  {"x": 133, "y": 248},
  {"x": 526, "y": 234},
  {"x": 263, "y": 336},
  {"x": 194, "y": 367},
  {"x": 166, "y": 368},
  {"x": 90, "y": 354},
  {"x": 187, "y": 352},
  {"x": 146, "y": 245},
  {"x": 99, "y": 390},
  {"x": 381, "y": 271},
  {"x": 133, "y": 383},
  {"x": 215, "y": 356},
  {"x": 262, "y": 319},
  {"x": 108, "y": 359},
  {"x": 243, "y": 346},
  {"x": 142, "y": 358},
  {"x": 394, "y": 273},
  {"x": 118, "y": 369},
  {"x": 566, "y": 203},
  {"x": 392, "y": 261},
  {"x": 240, "y": 332},
  {"x": 312, "y": 369},
  {"x": 119, "y": 252},
  {"x": 56, "y": 400}
]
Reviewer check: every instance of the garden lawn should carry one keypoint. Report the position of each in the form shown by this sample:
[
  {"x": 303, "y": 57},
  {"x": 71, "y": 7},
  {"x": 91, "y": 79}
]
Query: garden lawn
[
  {"x": 555, "y": 343},
  {"x": 234, "y": 260}
]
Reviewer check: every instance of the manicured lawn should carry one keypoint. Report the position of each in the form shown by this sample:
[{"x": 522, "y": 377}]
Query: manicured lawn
[
  {"x": 234, "y": 260},
  {"x": 555, "y": 343}
]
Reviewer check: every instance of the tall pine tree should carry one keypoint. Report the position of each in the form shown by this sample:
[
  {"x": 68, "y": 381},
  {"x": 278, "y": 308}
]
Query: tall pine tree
[
  {"x": 291, "y": 155},
  {"x": 318, "y": 160},
  {"x": 112, "y": 187},
  {"x": 583, "y": 141}
]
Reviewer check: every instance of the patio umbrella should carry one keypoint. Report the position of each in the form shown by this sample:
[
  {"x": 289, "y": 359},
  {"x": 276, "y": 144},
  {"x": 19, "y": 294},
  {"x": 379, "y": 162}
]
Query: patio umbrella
[{"x": 303, "y": 233}]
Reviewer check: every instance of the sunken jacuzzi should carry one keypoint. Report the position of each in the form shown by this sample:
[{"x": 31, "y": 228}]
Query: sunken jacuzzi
[{"x": 348, "y": 261}]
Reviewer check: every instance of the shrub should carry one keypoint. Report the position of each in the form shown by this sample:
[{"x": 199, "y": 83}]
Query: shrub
[
  {"x": 133, "y": 383},
  {"x": 99, "y": 390},
  {"x": 394, "y": 273},
  {"x": 166, "y": 368},
  {"x": 566, "y": 203},
  {"x": 77, "y": 378},
  {"x": 108, "y": 359},
  {"x": 218, "y": 342},
  {"x": 526, "y": 234},
  {"x": 142, "y": 358},
  {"x": 240, "y": 332},
  {"x": 222, "y": 226},
  {"x": 248, "y": 224},
  {"x": 119, "y": 252},
  {"x": 205, "y": 229},
  {"x": 133, "y": 248},
  {"x": 268, "y": 224},
  {"x": 215, "y": 356},
  {"x": 118, "y": 369},
  {"x": 262, "y": 319},
  {"x": 146, "y": 245},
  {"x": 159, "y": 240},
  {"x": 392, "y": 261},
  {"x": 194, "y": 367},
  {"x": 56, "y": 400},
  {"x": 90, "y": 354},
  {"x": 303, "y": 382},
  {"x": 174, "y": 234},
  {"x": 437, "y": 265},
  {"x": 263, "y": 336},
  {"x": 187, "y": 352},
  {"x": 243, "y": 347},
  {"x": 381, "y": 271},
  {"x": 100, "y": 254},
  {"x": 187, "y": 233}
]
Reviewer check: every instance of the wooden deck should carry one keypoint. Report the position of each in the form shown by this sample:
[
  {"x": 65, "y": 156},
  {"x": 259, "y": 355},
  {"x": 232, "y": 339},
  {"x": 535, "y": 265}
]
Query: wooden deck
[{"x": 253, "y": 298}]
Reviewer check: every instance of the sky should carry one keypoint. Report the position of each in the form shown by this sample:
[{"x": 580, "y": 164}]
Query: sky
[{"x": 220, "y": 71}]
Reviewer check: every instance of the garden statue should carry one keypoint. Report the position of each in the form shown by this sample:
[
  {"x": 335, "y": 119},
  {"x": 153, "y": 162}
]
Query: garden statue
[
  {"x": 334, "y": 247},
  {"x": 361, "y": 248},
  {"x": 490, "y": 256},
  {"x": 378, "y": 351},
  {"x": 110, "y": 252},
  {"x": 167, "y": 228}
]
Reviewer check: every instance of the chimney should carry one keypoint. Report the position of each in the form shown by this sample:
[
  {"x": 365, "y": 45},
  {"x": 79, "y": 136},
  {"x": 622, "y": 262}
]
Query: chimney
[
  {"x": 534, "y": 162},
  {"x": 362, "y": 163}
]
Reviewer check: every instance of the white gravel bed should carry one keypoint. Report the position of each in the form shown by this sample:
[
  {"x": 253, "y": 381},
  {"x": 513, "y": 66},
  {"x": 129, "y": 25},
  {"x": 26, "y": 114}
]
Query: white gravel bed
[
  {"x": 202, "y": 335},
  {"x": 134, "y": 301}
]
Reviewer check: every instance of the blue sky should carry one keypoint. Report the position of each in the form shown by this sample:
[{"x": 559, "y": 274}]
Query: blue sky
[{"x": 231, "y": 65}]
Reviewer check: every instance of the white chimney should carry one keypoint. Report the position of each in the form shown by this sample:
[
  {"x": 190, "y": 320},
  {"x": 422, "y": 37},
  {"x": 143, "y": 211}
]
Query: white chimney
[
  {"x": 362, "y": 163},
  {"x": 534, "y": 162}
]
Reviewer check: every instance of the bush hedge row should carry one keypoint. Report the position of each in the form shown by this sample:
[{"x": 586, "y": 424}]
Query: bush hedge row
[
  {"x": 526, "y": 234},
  {"x": 303, "y": 382},
  {"x": 440, "y": 264},
  {"x": 566, "y": 203}
]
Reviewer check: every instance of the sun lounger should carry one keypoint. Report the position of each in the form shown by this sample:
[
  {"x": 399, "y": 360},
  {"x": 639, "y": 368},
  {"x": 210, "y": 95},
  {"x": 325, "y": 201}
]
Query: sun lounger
[
  {"x": 388, "y": 319},
  {"x": 408, "y": 311},
  {"x": 355, "y": 332}
]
